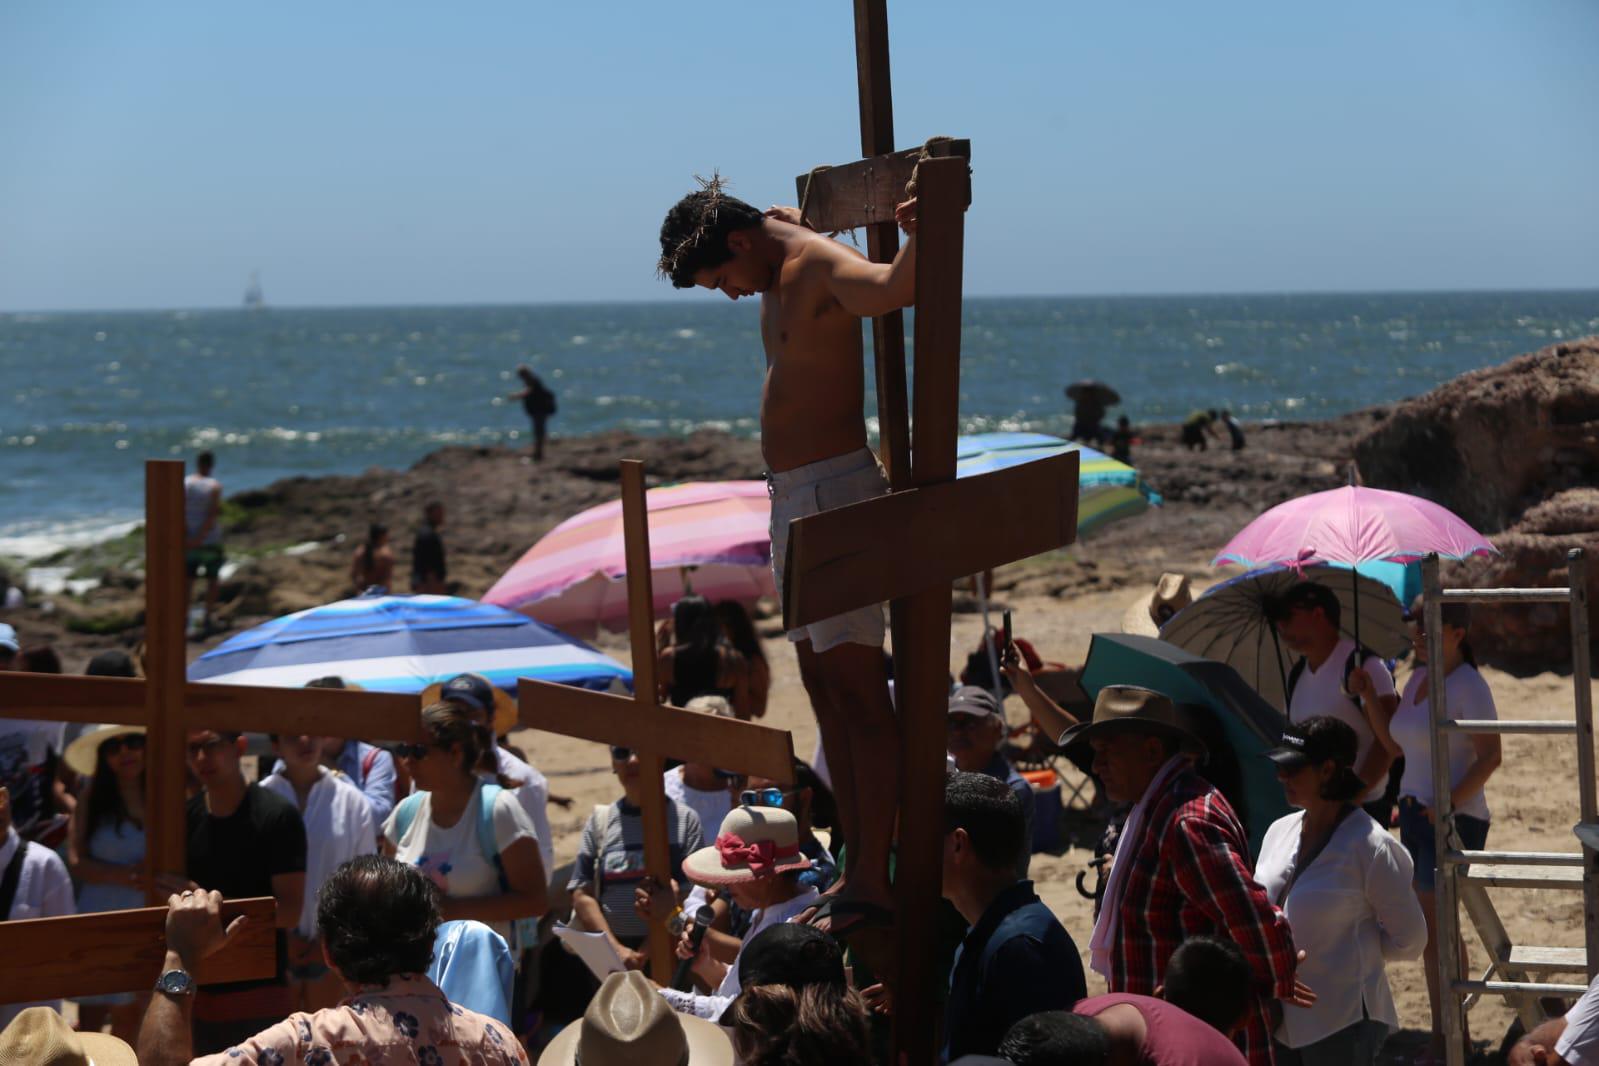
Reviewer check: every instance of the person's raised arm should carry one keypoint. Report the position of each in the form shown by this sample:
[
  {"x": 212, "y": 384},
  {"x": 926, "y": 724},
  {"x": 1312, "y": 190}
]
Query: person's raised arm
[
  {"x": 867, "y": 289},
  {"x": 1051, "y": 717},
  {"x": 194, "y": 930}
]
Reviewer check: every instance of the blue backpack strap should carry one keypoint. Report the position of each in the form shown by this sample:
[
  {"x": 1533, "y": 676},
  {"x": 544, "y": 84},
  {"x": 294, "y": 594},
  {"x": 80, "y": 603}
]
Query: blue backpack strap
[
  {"x": 487, "y": 794},
  {"x": 404, "y": 815}
]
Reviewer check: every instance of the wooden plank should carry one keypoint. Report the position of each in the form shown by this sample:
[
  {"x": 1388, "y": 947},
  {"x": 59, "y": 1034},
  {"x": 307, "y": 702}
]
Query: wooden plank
[
  {"x": 689, "y": 736},
  {"x": 942, "y": 196},
  {"x": 1548, "y": 960},
  {"x": 323, "y": 712},
  {"x": 865, "y": 192},
  {"x": 122, "y": 951},
  {"x": 1497, "y": 875},
  {"x": 882, "y": 240},
  {"x": 73, "y": 698},
  {"x": 165, "y": 624},
  {"x": 840, "y": 559},
  {"x": 641, "y": 627}
]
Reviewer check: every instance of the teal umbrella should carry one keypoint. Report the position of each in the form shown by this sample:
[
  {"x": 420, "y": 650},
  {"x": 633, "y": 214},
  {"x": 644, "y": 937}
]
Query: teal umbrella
[{"x": 1236, "y": 724}]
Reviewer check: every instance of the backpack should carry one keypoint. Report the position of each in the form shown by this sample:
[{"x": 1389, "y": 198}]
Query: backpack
[
  {"x": 1355, "y": 660},
  {"x": 405, "y": 814}
]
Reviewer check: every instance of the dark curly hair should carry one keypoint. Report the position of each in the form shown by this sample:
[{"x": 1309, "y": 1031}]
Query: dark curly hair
[
  {"x": 694, "y": 235},
  {"x": 378, "y": 918}
]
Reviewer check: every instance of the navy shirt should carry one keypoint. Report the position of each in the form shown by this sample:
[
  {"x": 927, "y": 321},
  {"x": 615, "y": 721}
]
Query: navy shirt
[{"x": 1017, "y": 960}]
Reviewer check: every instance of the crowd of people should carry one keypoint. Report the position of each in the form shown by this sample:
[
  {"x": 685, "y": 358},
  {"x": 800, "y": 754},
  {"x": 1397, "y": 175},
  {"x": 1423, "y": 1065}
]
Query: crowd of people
[{"x": 1208, "y": 954}]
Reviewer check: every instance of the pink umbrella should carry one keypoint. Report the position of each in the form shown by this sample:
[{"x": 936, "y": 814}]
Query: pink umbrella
[
  {"x": 1353, "y": 525},
  {"x": 713, "y": 535},
  {"x": 1350, "y": 526}
]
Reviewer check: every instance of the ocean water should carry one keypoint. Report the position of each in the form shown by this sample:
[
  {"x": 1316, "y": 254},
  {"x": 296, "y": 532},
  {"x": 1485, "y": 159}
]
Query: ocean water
[{"x": 280, "y": 392}]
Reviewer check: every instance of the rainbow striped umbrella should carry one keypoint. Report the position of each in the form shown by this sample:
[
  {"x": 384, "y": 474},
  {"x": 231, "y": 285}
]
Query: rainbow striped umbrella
[
  {"x": 712, "y": 535},
  {"x": 1107, "y": 490}
]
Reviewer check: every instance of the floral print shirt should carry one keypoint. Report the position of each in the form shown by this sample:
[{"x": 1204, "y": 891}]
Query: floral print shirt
[{"x": 407, "y": 1022}]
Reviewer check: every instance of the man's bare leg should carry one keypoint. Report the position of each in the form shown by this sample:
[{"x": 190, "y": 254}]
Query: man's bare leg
[
  {"x": 834, "y": 728},
  {"x": 854, "y": 682}
]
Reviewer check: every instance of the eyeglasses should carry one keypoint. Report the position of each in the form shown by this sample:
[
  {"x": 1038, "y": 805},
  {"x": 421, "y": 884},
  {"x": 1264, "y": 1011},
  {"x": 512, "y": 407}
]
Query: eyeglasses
[
  {"x": 621, "y": 754},
  {"x": 761, "y": 797},
  {"x": 131, "y": 741},
  {"x": 203, "y": 747},
  {"x": 412, "y": 751}
]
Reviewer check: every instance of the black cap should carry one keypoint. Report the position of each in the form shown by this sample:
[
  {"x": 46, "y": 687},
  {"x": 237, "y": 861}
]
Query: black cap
[
  {"x": 791, "y": 954},
  {"x": 969, "y": 699},
  {"x": 473, "y": 690},
  {"x": 1315, "y": 741}
]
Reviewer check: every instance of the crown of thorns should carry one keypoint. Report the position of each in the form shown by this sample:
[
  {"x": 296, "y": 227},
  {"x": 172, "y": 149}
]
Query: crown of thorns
[{"x": 710, "y": 207}]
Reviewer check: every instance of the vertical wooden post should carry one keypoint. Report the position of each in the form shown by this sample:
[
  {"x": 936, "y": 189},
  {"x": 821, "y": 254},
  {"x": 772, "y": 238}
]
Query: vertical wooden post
[
  {"x": 165, "y": 623},
  {"x": 921, "y": 658},
  {"x": 882, "y": 239},
  {"x": 1451, "y": 1007},
  {"x": 1582, "y": 677},
  {"x": 641, "y": 615}
]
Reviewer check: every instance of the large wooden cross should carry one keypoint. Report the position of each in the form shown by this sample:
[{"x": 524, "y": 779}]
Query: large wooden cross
[
  {"x": 51, "y": 958},
  {"x": 655, "y": 731},
  {"x": 909, "y": 546}
]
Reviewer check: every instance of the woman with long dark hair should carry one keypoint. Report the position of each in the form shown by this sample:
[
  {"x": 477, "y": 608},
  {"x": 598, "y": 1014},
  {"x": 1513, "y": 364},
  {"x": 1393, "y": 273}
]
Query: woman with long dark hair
[
  {"x": 694, "y": 659},
  {"x": 105, "y": 848},
  {"x": 470, "y": 836},
  {"x": 372, "y": 566},
  {"x": 751, "y": 689}
]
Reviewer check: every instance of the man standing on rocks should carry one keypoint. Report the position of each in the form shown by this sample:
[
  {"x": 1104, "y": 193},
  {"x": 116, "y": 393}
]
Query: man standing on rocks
[
  {"x": 428, "y": 570},
  {"x": 202, "y": 521}
]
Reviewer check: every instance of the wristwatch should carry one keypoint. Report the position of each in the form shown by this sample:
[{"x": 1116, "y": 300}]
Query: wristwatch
[{"x": 175, "y": 983}]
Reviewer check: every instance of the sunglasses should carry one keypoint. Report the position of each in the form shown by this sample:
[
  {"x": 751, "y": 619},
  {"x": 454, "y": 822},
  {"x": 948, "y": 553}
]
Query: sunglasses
[
  {"x": 132, "y": 742},
  {"x": 200, "y": 747},
  {"x": 761, "y": 797},
  {"x": 412, "y": 751},
  {"x": 621, "y": 754}
]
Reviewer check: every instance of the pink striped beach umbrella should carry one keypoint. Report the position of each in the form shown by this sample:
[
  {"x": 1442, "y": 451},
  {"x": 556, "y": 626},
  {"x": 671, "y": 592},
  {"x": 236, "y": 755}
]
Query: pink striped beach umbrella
[
  {"x": 1353, "y": 525},
  {"x": 713, "y": 534}
]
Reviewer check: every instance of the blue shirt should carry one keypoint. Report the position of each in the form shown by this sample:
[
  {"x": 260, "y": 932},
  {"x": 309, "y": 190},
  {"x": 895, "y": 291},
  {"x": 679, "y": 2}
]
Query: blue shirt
[{"x": 1017, "y": 960}]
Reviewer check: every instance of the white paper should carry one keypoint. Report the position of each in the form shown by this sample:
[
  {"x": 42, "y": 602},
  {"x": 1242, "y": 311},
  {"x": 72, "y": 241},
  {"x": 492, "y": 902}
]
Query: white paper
[{"x": 593, "y": 948}]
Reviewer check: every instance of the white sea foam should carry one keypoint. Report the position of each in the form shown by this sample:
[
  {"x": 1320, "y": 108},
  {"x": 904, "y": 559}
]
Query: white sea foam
[{"x": 36, "y": 540}]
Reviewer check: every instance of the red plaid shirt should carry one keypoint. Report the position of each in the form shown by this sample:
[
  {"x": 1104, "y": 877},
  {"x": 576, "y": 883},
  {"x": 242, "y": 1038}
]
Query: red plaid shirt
[{"x": 1189, "y": 877}]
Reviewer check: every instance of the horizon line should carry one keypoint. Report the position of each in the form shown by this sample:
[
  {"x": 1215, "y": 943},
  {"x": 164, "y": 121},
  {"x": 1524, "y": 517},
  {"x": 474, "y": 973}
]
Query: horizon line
[{"x": 1191, "y": 295}]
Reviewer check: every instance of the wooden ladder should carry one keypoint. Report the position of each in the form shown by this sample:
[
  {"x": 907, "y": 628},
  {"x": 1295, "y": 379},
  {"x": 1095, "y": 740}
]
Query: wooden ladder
[{"x": 1519, "y": 973}]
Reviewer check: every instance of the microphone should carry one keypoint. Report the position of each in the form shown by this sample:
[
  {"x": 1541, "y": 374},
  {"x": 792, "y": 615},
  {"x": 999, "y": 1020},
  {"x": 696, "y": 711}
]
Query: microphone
[{"x": 696, "y": 936}]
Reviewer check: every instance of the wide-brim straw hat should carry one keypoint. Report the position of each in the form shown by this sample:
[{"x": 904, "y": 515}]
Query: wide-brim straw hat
[
  {"x": 753, "y": 843},
  {"x": 83, "y": 754},
  {"x": 39, "y": 1036},
  {"x": 505, "y": 709},
  {"x": 1122, "y": 709},
  {"x": 628, "y": 1023},
  {"x": 1145, "y": 615}
]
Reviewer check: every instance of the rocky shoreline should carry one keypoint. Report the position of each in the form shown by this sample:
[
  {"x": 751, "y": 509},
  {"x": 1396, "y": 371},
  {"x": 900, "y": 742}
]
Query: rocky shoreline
[{"x": 294, "y": 538}]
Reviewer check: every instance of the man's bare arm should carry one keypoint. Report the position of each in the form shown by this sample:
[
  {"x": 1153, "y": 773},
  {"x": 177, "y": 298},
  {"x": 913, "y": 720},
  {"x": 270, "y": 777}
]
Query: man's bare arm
[{"x": 867, "y": 289}]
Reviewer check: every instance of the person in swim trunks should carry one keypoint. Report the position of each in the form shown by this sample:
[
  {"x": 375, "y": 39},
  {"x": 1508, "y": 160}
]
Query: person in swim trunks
[
  {"x": 814, "y": 292},
  {"x": 202, "y": 527}
]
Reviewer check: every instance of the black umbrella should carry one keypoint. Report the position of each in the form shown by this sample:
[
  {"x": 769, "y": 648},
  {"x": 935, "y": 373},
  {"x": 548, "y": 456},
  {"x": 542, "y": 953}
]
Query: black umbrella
[{"x": 1081, "y": 390}]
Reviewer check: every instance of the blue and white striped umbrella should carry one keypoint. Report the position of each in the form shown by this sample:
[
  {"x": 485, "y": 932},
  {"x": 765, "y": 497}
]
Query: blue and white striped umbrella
[
  {"x": 1107, "y": 490},
  {"x": 404, "y": 644}
]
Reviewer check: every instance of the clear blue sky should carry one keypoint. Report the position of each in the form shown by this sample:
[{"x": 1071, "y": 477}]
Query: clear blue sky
[{"x": 152, "y": 154}]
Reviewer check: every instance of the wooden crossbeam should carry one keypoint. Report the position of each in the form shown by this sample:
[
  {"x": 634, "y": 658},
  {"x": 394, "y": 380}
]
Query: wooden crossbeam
[
  {"x": 653, "y": 731},
  {"x": 865, "y": 192},
  {"x": 839, "y": 560},
  {"x": 122, "y": 951}
]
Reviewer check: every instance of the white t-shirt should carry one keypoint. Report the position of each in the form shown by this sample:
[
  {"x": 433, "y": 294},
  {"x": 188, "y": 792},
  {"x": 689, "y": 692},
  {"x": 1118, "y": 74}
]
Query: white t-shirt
[
  {"x": 1322, "y": 692},
  {"x": 1579, "y": 1044},
  {"x": 712, "y": 806},
  {"x": 44, "y": 890},
  {"x": 338, "y": 827},
  {"x": 1466, "y": 696},
  {"x": 534, "y": 796},
  {"x": 451, "y": 856}
]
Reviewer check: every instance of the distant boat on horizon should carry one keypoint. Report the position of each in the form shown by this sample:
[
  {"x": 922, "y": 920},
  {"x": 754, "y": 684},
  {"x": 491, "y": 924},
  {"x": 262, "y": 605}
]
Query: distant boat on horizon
[{"x": 253, "y": 300}]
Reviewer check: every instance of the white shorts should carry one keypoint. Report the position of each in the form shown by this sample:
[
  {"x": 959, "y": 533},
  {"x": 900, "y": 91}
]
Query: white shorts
[{"x": 808, "y": 490}]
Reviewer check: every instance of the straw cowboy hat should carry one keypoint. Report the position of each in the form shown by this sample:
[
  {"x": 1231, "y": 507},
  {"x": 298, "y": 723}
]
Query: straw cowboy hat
[
  {"x": 1121, "y": 709},
  {"x": 39, "y": 1036},
  {"x": 753, "y": 843},
  {"x": 629, "y": 1024},
  {"x": 82, "y": 754},
  {"x": 1147, "y": 614},
  {"x": 477, "y": 692}
]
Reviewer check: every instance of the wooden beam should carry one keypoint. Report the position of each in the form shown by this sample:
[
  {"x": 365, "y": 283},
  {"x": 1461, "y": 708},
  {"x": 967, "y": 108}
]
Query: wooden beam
[
  {"x": 882, "y": 240},
  {"x": 842, "y": 559},
  {"x": 669, "y": 731},
  {"x": 73, "y": 698},
  {"x": 122, "y": 951},
  {"x": 866, "y": 192},
  {"x": 321, "y": 712},
  {"x": 165, "y": 611},
  {"x": 641, "y": 627}
]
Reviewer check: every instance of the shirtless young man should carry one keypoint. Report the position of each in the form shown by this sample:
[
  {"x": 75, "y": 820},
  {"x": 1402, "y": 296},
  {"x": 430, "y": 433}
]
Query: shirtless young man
[{"x": 814, "y": 293}]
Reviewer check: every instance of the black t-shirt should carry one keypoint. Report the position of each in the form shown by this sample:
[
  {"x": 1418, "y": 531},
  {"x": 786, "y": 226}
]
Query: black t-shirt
[
  {"x": 239, "y": 855},
  {"x": 427, "y": 553}
]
